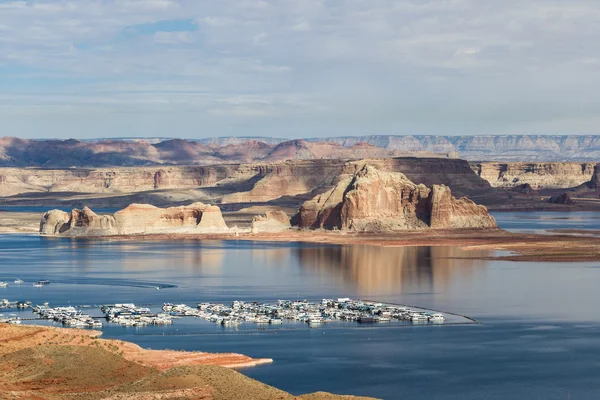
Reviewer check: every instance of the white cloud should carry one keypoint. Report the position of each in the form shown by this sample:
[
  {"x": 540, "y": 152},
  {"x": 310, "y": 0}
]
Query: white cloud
[
  {"x": 301, "y": 27},
  {"x": 385, "y": 66},
  {"x": 173, "y": 37}
]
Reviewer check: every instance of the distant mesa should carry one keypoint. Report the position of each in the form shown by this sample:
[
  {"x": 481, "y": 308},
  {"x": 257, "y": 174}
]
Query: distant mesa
[
  {"x": 137, "y": 219},
  {"x": 377, "y": 201}
]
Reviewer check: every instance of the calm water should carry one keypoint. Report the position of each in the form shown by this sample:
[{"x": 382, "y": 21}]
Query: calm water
[
  {"x": 540, "y": 221},
  {"x": 538, "y": 338}
]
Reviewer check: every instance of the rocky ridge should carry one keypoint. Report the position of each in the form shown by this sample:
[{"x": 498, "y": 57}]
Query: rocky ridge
[
  {"x": 137, "y": 219},
  {"x": 15, "y": 152},
  {"x": 234, "y": 183},
  {"x": 376, "y": 201}
]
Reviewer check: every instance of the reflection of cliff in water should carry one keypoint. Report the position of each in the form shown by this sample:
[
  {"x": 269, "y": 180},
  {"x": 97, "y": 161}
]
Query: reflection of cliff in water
[
  {"x": 378, "y": 270},
  {"x": 193, "y": 256}
]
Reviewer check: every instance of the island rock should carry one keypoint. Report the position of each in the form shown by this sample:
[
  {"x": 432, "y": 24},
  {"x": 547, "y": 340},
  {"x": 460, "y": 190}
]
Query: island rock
[
  {"x": 136, "y": 219},
  {"x": 377, "y": 201}
]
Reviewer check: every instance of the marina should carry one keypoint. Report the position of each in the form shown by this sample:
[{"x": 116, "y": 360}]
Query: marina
[{"x": 311, "y": 314}]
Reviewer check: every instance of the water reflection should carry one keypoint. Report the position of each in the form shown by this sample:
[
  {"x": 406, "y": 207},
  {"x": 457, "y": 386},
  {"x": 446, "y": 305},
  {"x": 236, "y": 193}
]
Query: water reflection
[{"x": 390, "y": 270}]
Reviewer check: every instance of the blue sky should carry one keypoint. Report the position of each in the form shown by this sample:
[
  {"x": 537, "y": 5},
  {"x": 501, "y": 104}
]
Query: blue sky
[{"x": 298, "y": 68}]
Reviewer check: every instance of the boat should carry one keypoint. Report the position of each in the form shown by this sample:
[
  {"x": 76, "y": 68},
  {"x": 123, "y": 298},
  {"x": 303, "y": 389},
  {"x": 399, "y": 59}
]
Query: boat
[
  {"x": 262, "y": 319},
  {"x": 38, "y": 284},
  {"x": 3, "y": 284},
  {"x": 41, "y": 283},
  {"x": 418, "y": 317},
  {"x": 276, "y": 321},
  {"x": 19, "y": 281},
  {"x": 437, "y": 317}
]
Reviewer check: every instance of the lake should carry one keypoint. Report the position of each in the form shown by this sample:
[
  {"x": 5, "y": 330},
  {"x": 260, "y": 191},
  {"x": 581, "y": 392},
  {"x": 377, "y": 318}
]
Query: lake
[{"x": 537, "y": 338}]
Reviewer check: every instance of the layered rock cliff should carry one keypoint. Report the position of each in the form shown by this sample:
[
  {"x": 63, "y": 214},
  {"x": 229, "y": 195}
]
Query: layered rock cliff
[
  {"x": 234, "y": 183},
  {"x": 373, "y": 200},
  {"x": 137, "y": 219},
  {"x": 550, "y": 175}
]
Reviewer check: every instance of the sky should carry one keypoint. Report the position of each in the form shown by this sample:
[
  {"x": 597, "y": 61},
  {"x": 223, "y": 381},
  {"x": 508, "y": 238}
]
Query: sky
[{"x": 298, "y": 68}]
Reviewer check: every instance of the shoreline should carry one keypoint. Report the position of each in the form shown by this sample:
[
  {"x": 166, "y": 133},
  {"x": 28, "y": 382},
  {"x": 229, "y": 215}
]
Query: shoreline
[{"x": 524, "y": 246}]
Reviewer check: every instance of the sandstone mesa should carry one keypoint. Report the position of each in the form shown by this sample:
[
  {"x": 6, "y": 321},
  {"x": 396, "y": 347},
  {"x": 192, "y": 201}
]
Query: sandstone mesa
[{"x": 378, "y": 201}]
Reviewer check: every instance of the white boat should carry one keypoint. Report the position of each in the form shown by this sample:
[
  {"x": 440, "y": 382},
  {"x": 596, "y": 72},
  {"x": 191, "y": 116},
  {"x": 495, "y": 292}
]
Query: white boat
[
  {"x": 437, "y": 317},
  {"x": 19, "y": 281},
  {"x": 38, "y": 284},
  {"x": 262, "y": 319},
  {"x": 276, "y": 321},
  {"x": 416, "y": 317},
  {"x": 3, "y": 284}
]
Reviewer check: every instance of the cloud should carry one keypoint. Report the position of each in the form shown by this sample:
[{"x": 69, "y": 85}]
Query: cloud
[{"x": 300, "y": 67}]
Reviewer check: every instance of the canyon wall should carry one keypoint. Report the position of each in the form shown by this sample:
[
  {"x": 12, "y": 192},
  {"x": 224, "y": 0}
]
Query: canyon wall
[
  {"x": 110, "y": 180},
  {"x": 550, "y": 175},
  {"x": 236, "y": 183}
]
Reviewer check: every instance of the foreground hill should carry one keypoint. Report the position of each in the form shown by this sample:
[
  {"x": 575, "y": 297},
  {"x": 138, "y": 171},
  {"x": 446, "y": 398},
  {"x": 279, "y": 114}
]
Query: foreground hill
[{"x": 55, "y": 363}]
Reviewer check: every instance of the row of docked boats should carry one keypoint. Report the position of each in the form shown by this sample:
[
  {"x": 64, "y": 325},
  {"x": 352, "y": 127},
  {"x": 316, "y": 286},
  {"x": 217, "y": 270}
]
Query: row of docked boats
[
  {"x": 328, "y": 310},
  {"x": 68, "y": 316},
  {"x": 21, "y": 305},
  {"x": 130, "y": 315},
  {"x": 238, "y": 312}
]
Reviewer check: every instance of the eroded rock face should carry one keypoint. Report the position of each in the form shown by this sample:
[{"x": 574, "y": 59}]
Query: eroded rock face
[
  {"x": 136, "y": 219},
  {"x": 561, "y": 199},
  {"x": 594, "y": 183},
  {"x": 543, "y": 175},
  {"x": 54, "y": 222},
  {"x": 373, "y": 200},
  {"x": 272, "y": 221},
  {"x": 448, "y": 212}
]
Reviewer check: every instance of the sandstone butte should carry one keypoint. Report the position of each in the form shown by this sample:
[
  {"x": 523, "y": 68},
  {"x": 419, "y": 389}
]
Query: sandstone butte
[
  {"x": 377, "y": 201},
  {"x": 137, "y": 219}
]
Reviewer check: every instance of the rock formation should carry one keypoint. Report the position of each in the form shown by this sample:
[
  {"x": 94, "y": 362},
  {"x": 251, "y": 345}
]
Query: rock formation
[
  {"x": 548, "y": 175},
  {"x": 594, "y": 183},
  {"x": 54, "y": 222},
  {"x": 524, "y": 189},
  {"x": 373, "y": 200},
  {"x": 272, "y": 221},
  {"x": 135, "y": 220},
  {"x": 561, "y": 199}
]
